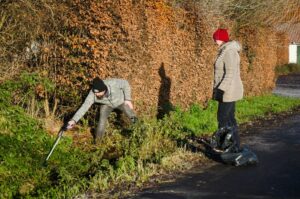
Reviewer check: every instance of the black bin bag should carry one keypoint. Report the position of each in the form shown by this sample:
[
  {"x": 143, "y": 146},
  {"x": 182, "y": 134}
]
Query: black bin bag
[
  {"x": 241, "y": 158},
  {"x": 226, "y": 141}
]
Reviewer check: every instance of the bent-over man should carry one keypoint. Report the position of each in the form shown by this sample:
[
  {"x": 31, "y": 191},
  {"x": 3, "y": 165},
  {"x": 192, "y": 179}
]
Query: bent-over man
[{"x": 110, "y": 94}]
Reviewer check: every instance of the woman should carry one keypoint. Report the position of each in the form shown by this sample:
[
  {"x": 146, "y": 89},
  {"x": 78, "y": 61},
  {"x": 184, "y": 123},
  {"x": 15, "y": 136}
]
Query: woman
[{"x": 228, "y": 87}]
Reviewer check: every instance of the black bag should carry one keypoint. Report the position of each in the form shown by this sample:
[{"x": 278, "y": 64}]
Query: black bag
[
  {"x": 226, "y": 141},
  {"x": 218, "y": 95},
  {"x": 244, "y": 157}
]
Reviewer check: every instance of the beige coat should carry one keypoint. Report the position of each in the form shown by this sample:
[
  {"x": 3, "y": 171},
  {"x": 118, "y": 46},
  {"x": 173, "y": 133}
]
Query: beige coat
[{"x": 227, "y": 72}]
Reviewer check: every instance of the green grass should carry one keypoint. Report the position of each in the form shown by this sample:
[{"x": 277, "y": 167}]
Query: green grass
[
  {"x": 124, "y": 157},
  {"x": 198, "y": 120},
  {"x": 120, "y": 158},
  {"x": 256, "y": 107},
  {"x": 23, "y": 147}
]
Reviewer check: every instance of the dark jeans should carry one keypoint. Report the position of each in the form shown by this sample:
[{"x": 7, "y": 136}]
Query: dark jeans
[
  {"x": 105, "y": 112},
  {"x": 226, "y": 118},
  {"x": 226, "y": 114}
]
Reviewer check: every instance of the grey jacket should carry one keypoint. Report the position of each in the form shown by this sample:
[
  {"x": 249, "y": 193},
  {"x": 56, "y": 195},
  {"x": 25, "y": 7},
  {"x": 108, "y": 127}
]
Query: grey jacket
[
  {"x": 118, "y": 91},
  {"x": 227, "y": 72}
]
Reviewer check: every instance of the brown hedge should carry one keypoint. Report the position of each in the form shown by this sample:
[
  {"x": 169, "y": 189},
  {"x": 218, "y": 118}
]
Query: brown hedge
[{"x": 165, "y": 51}]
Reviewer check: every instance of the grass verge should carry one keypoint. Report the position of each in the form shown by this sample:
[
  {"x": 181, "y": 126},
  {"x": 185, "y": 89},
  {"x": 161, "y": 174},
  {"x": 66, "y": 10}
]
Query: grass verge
[{"x": 125, "y": 157}]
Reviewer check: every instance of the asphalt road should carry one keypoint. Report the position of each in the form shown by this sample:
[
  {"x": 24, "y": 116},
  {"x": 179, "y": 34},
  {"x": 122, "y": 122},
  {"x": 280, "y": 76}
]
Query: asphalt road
[
  {"x": 288, "y": 85},
  {"x": 277, "y": 175}
]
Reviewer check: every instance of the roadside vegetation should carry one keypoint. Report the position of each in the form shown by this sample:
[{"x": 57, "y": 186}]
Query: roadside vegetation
[
  {"x": 287, "y": 69},
  {"x": 126, "y": 158}
]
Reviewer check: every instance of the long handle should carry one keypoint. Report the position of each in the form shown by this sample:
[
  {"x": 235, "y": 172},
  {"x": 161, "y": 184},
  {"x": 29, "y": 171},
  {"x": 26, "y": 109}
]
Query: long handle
[{"x": 55, "y": 143}]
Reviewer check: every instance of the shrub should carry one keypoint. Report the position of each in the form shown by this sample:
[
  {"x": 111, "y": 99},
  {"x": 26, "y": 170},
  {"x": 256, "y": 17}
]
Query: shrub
[{"x": 287, "y": 69}]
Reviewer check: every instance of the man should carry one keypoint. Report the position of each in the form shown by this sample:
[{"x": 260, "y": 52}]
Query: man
[
  {"x": 110, "y": 94},
  {"x": 228, "y": 86}
]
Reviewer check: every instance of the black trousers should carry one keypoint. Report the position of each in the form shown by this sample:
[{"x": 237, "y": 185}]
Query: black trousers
[
  {"x": 226, "y": 118},
  {"x": 226, "y": 114}
]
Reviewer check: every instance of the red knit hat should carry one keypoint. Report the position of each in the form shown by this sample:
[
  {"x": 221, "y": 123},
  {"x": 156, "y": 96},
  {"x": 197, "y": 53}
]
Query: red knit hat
[{"x": 221, "y": 34}]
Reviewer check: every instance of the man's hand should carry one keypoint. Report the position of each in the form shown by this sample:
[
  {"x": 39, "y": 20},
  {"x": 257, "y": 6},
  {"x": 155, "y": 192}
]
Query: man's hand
[
  {"x": 129, "y": 104},
  {"x": 71, "y": 124}
]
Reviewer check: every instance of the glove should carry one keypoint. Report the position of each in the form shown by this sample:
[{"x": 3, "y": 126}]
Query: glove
[
  {"x": 218, "y": 94},
  {"x": 71, "y": 124}
]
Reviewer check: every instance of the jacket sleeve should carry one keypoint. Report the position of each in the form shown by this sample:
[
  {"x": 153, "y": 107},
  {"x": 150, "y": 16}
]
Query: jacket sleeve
[
  {"x": 231, "y": 65},
  {"x": 88, "y": 102},
  {"x": 124, "y": 85}
]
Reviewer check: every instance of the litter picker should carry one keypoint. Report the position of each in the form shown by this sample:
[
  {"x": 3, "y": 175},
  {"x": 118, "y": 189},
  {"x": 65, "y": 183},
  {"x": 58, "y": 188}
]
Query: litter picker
[{"x": 60, "y": 134}]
